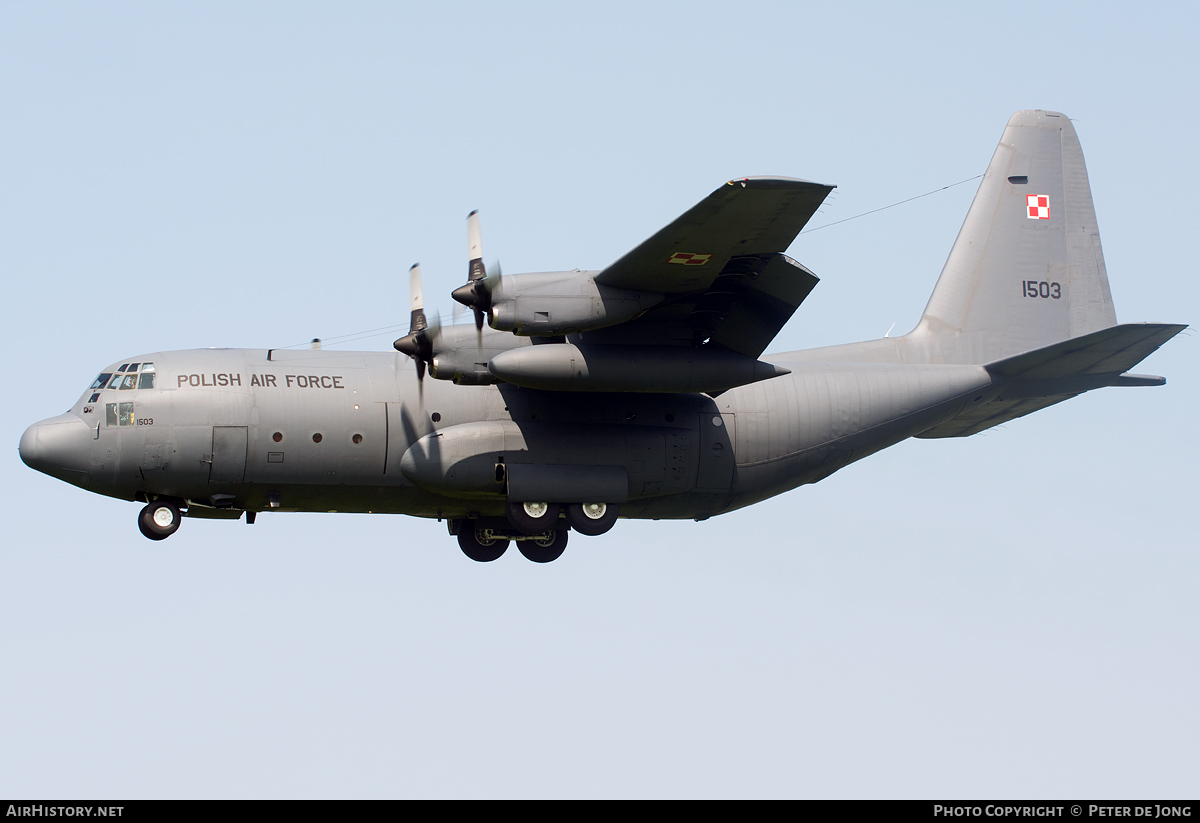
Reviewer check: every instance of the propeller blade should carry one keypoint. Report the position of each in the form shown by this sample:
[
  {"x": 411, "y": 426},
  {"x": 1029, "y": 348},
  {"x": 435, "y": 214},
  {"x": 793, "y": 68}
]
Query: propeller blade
[
  {"x": 475, "y": 269},
  {"x": 417, "y": 296}
]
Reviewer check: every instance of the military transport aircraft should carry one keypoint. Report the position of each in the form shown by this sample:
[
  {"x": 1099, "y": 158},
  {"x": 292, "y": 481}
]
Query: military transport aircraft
[{"x": 639, "y": 391}]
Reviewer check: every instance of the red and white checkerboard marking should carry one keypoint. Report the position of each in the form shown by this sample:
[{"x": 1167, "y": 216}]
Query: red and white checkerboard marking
[
  {"x": 1038, "y": 206},
  {"x": 687, "y": 258}
]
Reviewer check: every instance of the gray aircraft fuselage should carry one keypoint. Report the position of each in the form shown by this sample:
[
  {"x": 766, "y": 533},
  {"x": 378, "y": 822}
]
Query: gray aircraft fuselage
[{"x": 331, "y": 431}]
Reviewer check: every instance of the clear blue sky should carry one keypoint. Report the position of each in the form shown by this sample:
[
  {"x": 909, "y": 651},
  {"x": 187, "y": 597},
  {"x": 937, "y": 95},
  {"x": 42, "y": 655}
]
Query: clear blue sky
[{"x": 1010, "y": 615}]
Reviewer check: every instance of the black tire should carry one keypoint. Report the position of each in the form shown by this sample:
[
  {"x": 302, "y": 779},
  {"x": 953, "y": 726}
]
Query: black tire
[
  {"x": 591, "y": 518},
  {"x": 544, "y": 551},
  {"x": 159, "y": 520},
  {"x": 527, "y": 522},
  {"x": 479, "y": 549}
]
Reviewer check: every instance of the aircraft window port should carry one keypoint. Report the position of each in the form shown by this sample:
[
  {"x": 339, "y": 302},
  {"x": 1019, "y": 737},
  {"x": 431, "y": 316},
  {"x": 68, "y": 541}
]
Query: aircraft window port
[
  {"x": 356, "y": 439},
  {"x": 95, "y": 397},
  {"x": 118, "y": 414},
  {"x": 436, "y": 417},
  {"x": 277, "y": 437},
  {"x": 317, "y": 437},
  {"x": 102, "y": 380}
]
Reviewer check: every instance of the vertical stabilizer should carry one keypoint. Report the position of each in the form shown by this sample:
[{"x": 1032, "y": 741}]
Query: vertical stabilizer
[{"x": 1026, "y": 270}]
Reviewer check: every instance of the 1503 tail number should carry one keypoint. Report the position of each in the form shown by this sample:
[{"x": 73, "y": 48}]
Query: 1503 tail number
[{"x": 1040, "y": 288}]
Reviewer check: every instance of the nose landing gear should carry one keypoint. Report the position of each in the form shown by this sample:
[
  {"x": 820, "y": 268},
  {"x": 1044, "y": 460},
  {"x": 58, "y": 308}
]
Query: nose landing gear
[{"x": 159, "y": 520}]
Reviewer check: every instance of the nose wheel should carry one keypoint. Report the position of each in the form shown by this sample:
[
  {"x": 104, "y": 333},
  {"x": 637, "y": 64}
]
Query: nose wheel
[{"x": 159, "y": 520}]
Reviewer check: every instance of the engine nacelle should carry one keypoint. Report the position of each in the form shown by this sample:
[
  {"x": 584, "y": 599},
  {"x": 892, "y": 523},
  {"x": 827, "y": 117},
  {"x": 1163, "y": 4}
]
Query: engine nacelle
[
  {"x": 462, "y": 354},
  {"x": 615, "y": 368},
  {"x": 557, "y": 303}
]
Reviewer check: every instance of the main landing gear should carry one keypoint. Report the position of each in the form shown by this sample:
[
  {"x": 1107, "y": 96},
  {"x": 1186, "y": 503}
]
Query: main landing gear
[{"x": 539, "y": 531}]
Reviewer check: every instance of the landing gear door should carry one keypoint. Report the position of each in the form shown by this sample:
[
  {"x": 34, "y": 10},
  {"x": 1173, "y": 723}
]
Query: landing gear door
[
  {"x": 716, "y": 451},
  {"x": 228, "y": 455}
]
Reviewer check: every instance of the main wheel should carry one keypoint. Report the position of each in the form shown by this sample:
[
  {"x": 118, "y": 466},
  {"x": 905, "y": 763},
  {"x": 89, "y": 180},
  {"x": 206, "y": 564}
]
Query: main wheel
[
  {"x": 159, "y": 520},
  {"x": 543, "y": 550},
  {"x": 479, "y": 546},
  {"x": 533, "y": 518},
  {"x": 592, "y": 518}
]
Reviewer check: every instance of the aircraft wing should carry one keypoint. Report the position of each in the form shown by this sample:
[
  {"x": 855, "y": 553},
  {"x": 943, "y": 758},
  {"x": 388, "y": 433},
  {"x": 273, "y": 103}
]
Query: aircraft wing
[
  {"x": 721, "y": 265},
  {"x": 750, "y": 216}
]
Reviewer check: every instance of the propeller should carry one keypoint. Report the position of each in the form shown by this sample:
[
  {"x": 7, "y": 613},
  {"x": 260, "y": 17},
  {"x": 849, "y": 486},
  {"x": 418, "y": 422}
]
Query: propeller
[
  {"x": 418, "y": 343},
  {"x": 476, "y": 294}
]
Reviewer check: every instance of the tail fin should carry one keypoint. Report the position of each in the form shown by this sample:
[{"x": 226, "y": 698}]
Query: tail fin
[{"x": 1026, "y": 270}]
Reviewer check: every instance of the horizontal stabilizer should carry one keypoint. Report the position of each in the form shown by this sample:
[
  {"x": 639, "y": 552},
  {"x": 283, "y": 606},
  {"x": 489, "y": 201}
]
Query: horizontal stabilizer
[
  {"x": 1108, "y": 351},
  {"x": 1043, "y": 377}
]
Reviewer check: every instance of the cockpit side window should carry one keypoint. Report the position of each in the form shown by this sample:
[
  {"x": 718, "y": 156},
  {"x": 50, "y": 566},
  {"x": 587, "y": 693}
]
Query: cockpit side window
[
  {"x": 146, "y": 379},
  {"x": 102, "y": 380},
  {"x": 118, "y": 414}
]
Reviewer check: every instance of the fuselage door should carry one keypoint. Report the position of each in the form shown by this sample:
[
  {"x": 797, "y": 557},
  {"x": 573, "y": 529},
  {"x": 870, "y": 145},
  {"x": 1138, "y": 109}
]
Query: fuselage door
[{"x": 228, "y": 455}]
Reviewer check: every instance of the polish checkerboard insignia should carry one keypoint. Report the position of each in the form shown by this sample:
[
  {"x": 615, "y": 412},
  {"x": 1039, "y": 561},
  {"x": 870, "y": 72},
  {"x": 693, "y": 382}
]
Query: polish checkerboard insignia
[
  {"x": 687, "y": 258},
  {"x": 1037, "y": 206}
]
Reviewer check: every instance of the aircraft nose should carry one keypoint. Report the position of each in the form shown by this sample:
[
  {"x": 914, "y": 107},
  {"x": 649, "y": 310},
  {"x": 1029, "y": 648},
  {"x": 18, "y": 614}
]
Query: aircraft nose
[{"x": 58, "y": 446}]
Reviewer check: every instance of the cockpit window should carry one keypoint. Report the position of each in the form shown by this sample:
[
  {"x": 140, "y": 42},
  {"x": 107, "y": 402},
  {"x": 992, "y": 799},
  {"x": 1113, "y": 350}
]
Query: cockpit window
[
  {"x": 127, "y": 377},
  {"x": 118, "y": 414}
]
